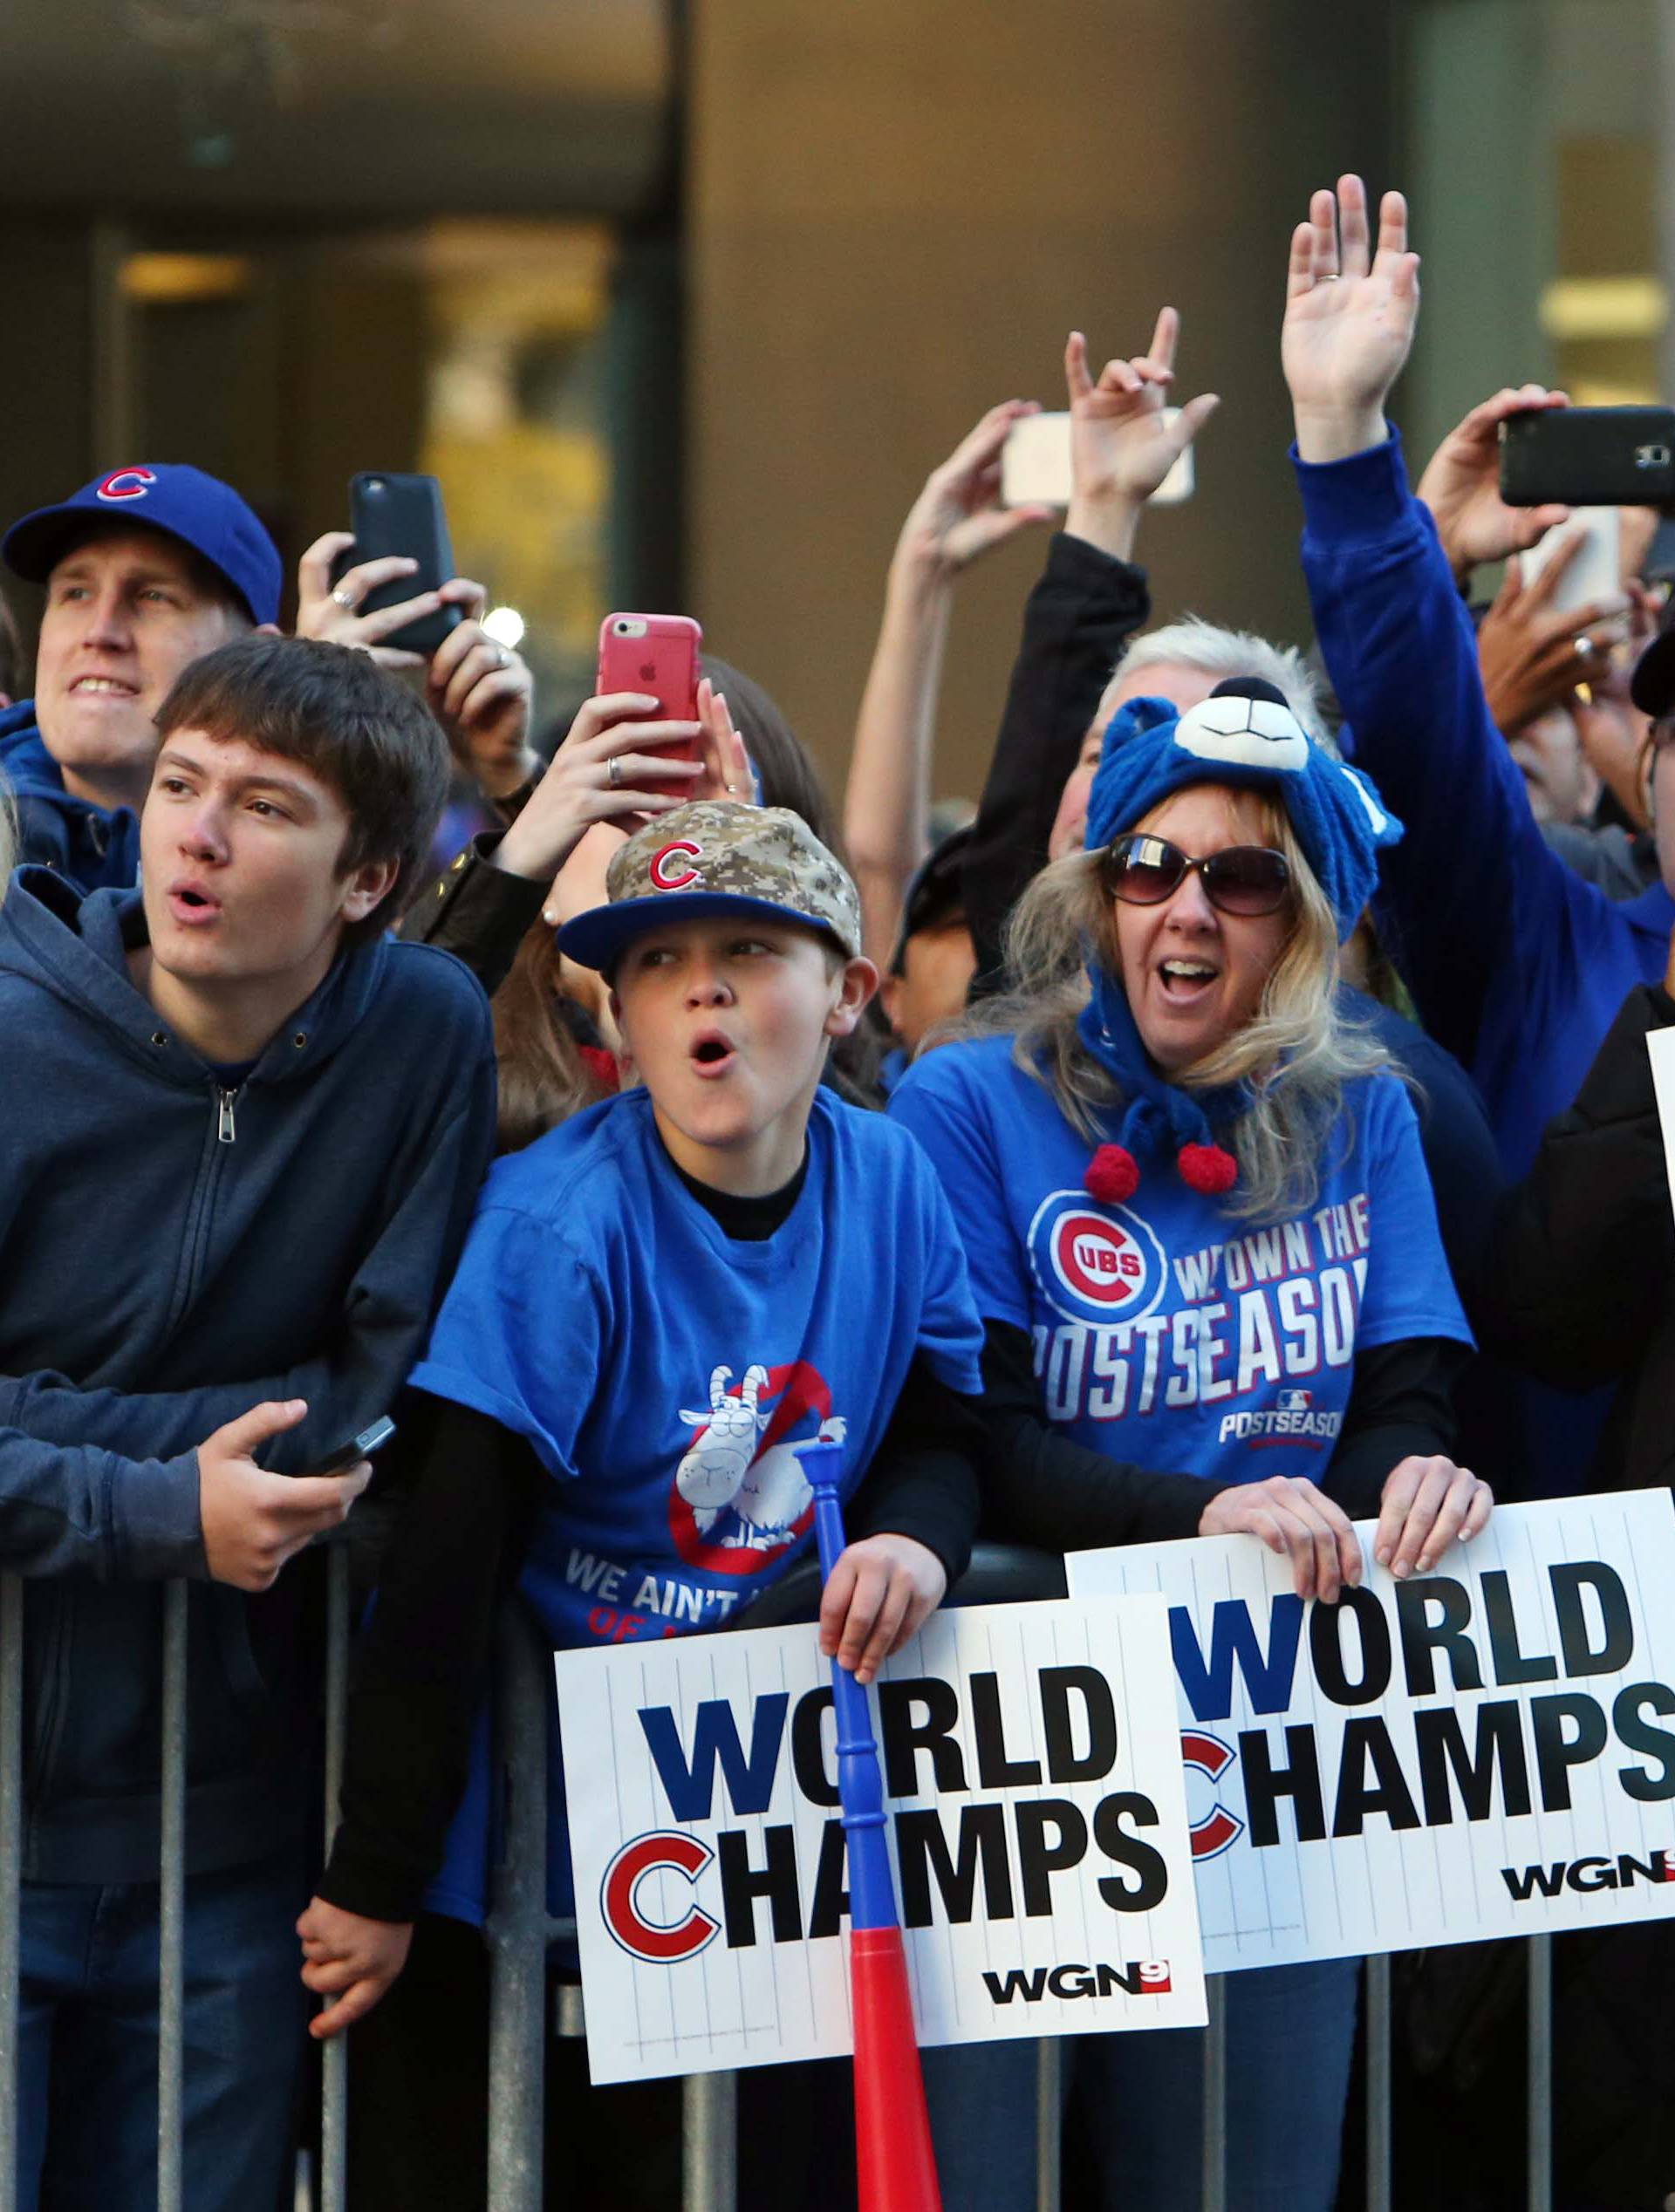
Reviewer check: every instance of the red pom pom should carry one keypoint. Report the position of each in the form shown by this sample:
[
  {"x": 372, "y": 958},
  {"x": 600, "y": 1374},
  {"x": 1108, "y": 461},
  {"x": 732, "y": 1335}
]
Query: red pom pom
[
  {"x": 1113, "y": 1175},
  {"x": 1207, "y": 1168},
  {"x": 602, "y": 1066}
]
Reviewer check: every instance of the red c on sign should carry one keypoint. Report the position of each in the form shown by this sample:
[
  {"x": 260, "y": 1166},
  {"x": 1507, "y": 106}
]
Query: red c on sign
[
  {"x": 642, "y": 1938},
  {"x": 1211, "y": 1757}
]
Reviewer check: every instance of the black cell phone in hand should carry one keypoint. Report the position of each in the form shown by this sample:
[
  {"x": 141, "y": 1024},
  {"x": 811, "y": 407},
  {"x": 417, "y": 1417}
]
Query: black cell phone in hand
[
  {"x": 348, "y": 1455},
  {"x": 1589, "y": 457},
  {"x": 390, "y": 513}
]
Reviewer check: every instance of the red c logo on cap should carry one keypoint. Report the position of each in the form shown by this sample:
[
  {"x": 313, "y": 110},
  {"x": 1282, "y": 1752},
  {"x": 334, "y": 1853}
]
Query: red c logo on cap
[
  {"x": 658, "y": 1944},
  {"x": 127, "y": 483},
  {"x": 665, "y": 879}
]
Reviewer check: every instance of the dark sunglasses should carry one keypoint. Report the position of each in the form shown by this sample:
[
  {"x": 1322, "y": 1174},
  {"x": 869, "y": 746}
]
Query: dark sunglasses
[{"x": 1144, "y": 870}]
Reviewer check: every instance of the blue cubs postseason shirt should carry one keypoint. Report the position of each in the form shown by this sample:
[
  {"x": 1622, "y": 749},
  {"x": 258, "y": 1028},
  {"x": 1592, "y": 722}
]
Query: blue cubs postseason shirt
[
  {"x": 1165, "y": 1331},
  {"x": 670, "y": 1378}
]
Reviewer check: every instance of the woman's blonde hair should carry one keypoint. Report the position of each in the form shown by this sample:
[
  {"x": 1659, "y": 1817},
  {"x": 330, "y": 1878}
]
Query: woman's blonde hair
[{"x": 1294, "y": 1056}]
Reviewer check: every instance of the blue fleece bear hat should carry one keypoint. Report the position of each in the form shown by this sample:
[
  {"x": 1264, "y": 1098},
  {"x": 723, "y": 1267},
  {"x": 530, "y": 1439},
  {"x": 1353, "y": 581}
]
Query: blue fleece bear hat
[{"x": 1244, "y": 735}]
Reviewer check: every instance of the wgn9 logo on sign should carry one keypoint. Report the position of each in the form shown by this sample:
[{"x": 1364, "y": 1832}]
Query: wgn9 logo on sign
[
  {"x": 646, "y": 1898},
  {"x": 1097, "y": 1263}
]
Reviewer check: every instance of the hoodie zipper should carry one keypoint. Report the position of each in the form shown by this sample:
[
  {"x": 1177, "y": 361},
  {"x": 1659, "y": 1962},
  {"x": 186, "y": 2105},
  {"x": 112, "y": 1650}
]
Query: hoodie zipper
[{"x": 226, "y": 1127}]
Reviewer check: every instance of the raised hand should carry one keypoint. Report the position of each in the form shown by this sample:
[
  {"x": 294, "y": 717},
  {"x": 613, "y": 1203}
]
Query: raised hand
[
  {"x": 483, "y": 693},
  {"x": 478, "y": 691},
  {"x": 1461, "y": 485},
  {"x": 723, "y": 762},
  {"x": 1349, "y": 318},
  {"x": 1532, "y": 655},
  {"x": 958, "y": 517},
  {"x": 609, "y": 769},
  {"x": 1121, "y": 443}
]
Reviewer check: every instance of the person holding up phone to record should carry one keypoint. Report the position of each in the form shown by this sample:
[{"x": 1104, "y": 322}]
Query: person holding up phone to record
[
  {"x": 480, "y": 691},
  {"x": 638, "y": 747},
  {"x": 1517, "y": 966}
]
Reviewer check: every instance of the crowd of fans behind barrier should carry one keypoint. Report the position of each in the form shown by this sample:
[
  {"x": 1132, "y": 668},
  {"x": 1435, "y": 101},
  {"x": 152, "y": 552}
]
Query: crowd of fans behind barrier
[{"x": 679, "y": 1122}]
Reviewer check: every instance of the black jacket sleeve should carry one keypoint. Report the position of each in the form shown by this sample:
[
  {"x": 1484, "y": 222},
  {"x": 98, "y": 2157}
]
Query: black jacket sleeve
[
  {"x": 923, "y": 1480},
  {"x": 1078, "y": 620},
  {"x": 1584, "y": 1248},
  {"x": 1043, "y": 1487},
  {"x": 421, "y": 1670},
  {"x": 1400, "y": 1403},
  {"x": 478, "y": 913}
]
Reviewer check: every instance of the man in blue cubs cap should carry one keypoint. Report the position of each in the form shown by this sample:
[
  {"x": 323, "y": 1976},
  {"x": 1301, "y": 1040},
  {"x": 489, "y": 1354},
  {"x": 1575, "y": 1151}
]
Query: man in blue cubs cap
[{"x": 146, "y": 569}]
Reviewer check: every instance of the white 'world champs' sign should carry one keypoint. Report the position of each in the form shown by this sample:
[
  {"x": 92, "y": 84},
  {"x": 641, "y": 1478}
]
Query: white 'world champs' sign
[
  {"x": 1037, "y": 1830},
  {"x": 1487, "y": 1750}
]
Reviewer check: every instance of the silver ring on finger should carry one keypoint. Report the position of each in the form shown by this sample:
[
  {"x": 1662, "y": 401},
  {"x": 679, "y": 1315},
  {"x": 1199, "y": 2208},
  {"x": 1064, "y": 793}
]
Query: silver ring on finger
[
  {"x": 344, "y": 597},
  {"x": 503, "y": 658},
  {"x": 1584, "y": 648},
  {"x": 613, "y": 772}
]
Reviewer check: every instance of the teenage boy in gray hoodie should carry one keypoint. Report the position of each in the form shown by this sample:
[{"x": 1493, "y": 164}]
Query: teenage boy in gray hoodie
[{"x": 242, "y": 1133}]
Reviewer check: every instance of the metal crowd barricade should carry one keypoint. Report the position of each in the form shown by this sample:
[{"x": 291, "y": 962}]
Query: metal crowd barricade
[{"x": 520, "y": 1932}]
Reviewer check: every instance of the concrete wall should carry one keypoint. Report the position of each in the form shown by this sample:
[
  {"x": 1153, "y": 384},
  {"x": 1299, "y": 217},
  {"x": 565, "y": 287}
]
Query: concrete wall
[{"x": 897, "y": 209}]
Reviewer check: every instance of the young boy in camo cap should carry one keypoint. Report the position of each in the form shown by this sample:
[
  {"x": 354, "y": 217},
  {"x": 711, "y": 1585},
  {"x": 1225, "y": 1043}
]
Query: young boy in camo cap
[{"x": 661, "y": 1305}]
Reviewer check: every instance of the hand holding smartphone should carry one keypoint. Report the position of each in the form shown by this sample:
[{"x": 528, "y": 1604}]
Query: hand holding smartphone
[
  {"x": 370, "y": 1439},
  {"x": 1588, "y": 457},
  {"x": 1593, "y": 571},
  {"x": 401, "y": 516},
  {"x": 657, "y": 654},
  {"x": 1035, "y": 465}
]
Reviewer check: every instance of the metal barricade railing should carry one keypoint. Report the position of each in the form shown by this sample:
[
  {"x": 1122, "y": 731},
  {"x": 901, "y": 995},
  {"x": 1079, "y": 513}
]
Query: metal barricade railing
[
  {"x": 520, "y": 1932},
  {"x": 11, "y": 1866}
]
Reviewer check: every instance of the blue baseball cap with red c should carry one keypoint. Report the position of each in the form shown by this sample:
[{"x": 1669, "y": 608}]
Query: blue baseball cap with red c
[{"x": 183, "y": 503}]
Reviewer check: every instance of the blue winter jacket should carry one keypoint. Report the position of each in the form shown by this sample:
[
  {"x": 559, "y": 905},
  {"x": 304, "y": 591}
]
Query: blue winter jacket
[
  {"x": 172, "y": 1253},
  {"x": 1516, "y": 965},
  {"x": 95, "y": 847}
]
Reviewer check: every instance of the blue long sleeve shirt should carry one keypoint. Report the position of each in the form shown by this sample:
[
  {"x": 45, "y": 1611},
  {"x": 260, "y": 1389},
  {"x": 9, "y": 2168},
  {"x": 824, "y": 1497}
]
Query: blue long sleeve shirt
[{"x": 1516, "y": 965}]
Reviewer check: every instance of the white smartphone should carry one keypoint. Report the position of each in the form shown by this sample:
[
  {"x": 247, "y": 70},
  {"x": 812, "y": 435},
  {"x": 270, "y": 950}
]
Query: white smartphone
[
  {"x": 1595, "y": 570},
  {"x": 1035, "y": 465}
]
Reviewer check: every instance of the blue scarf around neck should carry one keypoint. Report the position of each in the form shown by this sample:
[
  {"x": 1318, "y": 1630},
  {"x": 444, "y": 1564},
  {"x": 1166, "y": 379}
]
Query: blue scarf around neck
[{"x": 1158, "y": 1117}]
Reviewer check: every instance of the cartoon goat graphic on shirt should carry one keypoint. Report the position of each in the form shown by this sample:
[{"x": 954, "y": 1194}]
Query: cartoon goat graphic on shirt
[{"x": 723, "y": 1470}]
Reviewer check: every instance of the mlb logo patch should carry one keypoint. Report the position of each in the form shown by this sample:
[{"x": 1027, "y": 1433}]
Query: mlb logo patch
[{"x": 1294, "y": 1401}]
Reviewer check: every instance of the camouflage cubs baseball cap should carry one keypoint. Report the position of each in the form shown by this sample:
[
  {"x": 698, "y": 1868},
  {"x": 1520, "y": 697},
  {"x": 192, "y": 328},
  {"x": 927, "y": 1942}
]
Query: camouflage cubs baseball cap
[{"x": 717, "y": 857}]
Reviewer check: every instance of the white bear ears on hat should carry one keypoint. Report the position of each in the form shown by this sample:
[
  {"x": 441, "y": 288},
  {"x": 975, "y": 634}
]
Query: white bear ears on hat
[{"x": 1245, "y": 730}]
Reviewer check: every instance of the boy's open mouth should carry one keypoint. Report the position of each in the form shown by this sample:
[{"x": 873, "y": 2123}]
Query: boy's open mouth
[
  {"x": 191, "y": 904},
  {"x": 712, "y": 1052}
]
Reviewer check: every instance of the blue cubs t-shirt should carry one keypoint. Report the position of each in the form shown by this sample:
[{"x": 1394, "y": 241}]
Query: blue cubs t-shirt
[
  {"x": 1167, "y": 1332},
  {"x": 670, "y": 1378}
]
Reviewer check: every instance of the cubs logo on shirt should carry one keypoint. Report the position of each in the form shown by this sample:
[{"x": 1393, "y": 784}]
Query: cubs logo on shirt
[
  {"x": 1185, "y": 1335},
  {"x": 739, "y": 1497},
  {"x": 1095, "y": 1263}
]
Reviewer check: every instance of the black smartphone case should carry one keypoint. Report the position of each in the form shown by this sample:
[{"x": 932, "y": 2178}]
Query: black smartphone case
[
  {"x": 390, "y": 513},
  {"x": 1589, "y": 457}
]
